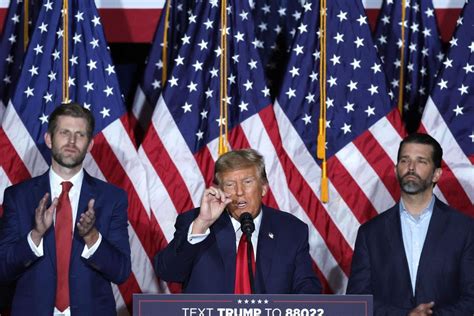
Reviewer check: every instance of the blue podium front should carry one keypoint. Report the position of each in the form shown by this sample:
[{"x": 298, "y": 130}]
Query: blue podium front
[{"x": 251, "y": 305}]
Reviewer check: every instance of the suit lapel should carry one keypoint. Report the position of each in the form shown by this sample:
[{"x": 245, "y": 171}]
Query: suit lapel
[
  {"x": 225, "y": 239},
  {"x": 394, "y": 235},
  {"x": 265, "y": 250},
  {"x": 439, "y": 220},
  {"x": 87, "y": 193}
]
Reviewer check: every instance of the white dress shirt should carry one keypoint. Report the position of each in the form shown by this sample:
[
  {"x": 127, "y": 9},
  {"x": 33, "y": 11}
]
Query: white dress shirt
[{"x": 414, "y": 230}]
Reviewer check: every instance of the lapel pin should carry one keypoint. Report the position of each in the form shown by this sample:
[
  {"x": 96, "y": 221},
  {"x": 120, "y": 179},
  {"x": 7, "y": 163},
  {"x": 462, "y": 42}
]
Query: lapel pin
[{"x": 270, "y": 235}]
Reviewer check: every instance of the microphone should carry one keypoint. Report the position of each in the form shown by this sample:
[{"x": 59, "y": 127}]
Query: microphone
[{"x": 246, "y": 224}]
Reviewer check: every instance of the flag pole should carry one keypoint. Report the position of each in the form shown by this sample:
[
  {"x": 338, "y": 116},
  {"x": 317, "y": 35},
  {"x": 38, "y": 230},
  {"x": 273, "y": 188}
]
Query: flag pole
[
  {"x": 402, "y": 59},
  {"x": 65, "y": 79},
  {"x": 164, "y": 50},
  {"x": 223, "y": 116}
]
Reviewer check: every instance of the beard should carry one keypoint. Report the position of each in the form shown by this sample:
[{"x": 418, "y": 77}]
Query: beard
[
  {"x": 68, "y": 161},
  {"x": 412, "y": 186}
]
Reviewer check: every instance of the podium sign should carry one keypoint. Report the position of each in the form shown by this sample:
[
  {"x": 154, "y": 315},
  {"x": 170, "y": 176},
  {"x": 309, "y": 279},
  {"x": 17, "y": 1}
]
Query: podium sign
[{"x": 251, "y": 305}]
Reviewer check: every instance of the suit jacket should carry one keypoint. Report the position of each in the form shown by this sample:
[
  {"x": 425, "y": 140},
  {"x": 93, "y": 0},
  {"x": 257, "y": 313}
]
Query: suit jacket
[
  {"x": 445, "y": 272},
  {"x": 283, "y": 263},
  {"x": 89, "y": 279}
]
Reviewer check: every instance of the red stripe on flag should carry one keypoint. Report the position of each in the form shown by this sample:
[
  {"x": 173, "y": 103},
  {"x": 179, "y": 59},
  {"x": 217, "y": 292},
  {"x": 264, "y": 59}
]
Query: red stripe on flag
[
  {"x": 206, "y": 165},
  {"x": 114, "y": 173},
  {"x": 167, "y": 171},
  {"x": 127, "y": 289},
  {"x": 11, "y": 162},
  {"x": 334, "y": 239},
  {"x": 350, "y": 191},
  {"x": 380, "y": 161}
]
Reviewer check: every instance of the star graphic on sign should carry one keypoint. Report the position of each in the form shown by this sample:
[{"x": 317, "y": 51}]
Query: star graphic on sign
[
  {"x": 105, "y": 112},
  {"x": 186, "y": 107},
  {"x": 43, "y": 118}
]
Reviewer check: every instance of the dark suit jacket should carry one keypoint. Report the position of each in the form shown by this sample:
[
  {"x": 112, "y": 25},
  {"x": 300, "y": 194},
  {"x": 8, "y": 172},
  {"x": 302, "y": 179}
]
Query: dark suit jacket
[
  {"x": 283, "y": 263},
  {"x": 89, "y": 279},
  {"x": 445, "y": 273}
]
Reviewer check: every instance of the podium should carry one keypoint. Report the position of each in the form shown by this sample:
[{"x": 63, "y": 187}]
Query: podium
[{"x": 251, "y": 305}]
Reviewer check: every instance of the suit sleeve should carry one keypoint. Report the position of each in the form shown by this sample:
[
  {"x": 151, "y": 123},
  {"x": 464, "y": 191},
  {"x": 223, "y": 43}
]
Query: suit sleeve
[
  {"x": 112, "y": 258},
  {"x": 175, "y": 262},
  {"x": 15, "y": 251},
  {"x": 465, "y": 304},
  {"x": 360, "y": 280},
  {"x": 305, "y": 280}
]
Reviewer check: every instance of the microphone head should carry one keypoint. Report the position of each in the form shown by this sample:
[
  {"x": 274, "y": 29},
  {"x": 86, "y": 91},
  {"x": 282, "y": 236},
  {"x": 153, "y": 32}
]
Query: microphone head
[{"x": 246, "y": 223}]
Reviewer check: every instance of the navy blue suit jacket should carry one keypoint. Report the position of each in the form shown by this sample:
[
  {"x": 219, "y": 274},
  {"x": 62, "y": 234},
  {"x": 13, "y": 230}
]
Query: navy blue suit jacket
[
  {"x": 283, "y": 263},
  {"x": 89, "y": 279},
  {"x": 445, "y": 272}
]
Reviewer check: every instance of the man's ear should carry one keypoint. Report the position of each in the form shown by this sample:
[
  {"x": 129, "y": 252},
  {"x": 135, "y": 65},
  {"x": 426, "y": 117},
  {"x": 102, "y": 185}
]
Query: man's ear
[
  {"x": 91, "y": 144},
  {"x": 437, "y": 174},
  {"x": 264, "y": 189},
  {"x": 47, "y": 140}
]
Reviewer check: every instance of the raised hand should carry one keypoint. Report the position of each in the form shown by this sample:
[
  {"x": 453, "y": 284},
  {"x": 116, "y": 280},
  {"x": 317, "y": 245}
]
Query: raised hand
[
  {"x": 43, "y": 218},
  {"x": 86, "y": 225},
  {"x": 422, "y": 309},
  {"x": 213, "y": 203}
]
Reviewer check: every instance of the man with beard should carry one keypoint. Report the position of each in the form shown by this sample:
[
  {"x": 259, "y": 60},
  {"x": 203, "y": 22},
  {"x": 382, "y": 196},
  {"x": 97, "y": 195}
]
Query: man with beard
[
  {"x": 208, "y": 253},
  {"x": 417, "y": 258},
  {"x": 64, "y": 236}
]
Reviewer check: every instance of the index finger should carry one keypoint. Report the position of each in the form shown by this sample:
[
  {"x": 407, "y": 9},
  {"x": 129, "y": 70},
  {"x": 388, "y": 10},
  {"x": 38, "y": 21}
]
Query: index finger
[{"x": 42, "y": 202}]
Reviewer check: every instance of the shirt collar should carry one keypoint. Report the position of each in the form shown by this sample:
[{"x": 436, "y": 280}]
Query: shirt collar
[
  {"x": 427, "y": 211},
  {"x": 257, "y": 221},
  {"x": 55, "y": 180}
]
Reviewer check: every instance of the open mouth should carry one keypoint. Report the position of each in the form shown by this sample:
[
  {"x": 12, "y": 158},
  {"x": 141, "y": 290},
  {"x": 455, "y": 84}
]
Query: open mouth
[{"x": 241, "y": 204}]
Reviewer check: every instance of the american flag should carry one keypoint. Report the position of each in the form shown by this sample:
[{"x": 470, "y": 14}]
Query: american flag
[
  {"x": 181, "y": 144},
  {"x": 275, "y": 26},
  {"x": 13, "y": 45},
  {"x": 449, "y": 116},
  {"x": 363, "y": 131},
  {"x": 414, "y": 73},
  {"x": 92, "y": 82},
  {"x": 149, "y": 89}
]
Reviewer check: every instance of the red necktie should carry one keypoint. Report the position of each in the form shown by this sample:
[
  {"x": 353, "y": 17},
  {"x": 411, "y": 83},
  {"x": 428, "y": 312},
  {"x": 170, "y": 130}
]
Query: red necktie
[
  {"x": 63, "y": 231},
  {"x": 242, "y": 276}
]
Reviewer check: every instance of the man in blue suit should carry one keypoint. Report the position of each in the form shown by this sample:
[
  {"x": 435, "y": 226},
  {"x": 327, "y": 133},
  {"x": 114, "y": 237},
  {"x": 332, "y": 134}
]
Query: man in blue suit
[
  {"x": 417, "y": 258},
  {"x": 88, "y": 214},
  {"x": 203, "y": 253}
]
